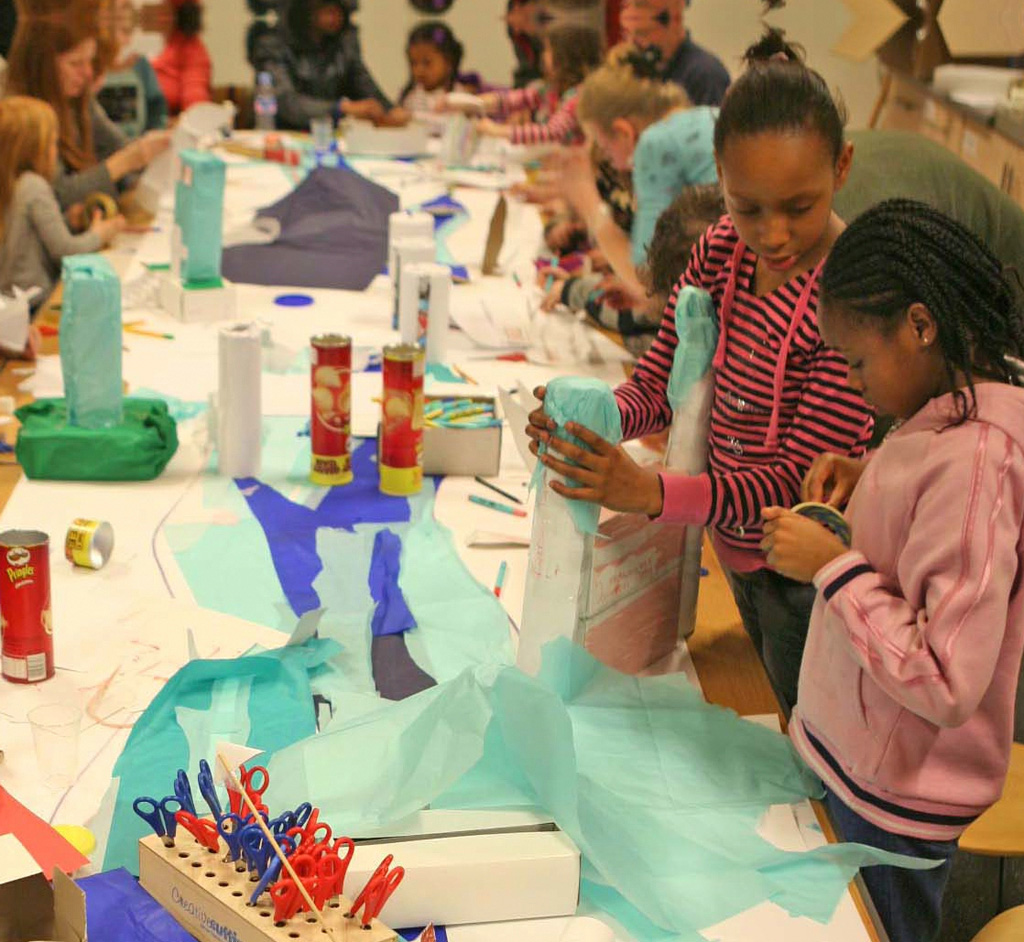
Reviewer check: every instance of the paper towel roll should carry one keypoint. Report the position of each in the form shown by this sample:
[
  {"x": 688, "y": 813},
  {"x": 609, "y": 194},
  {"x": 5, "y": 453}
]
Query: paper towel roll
[
  {"x": 408, "y": 252},
  {"x": 424, "y": 306},
  {"x": 240, "y": 408},
  {"x": 406, "y": 225}
]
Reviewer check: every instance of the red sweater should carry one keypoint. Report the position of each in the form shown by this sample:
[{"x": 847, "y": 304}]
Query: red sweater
[
  {"x": 184, "y": 71},
  {"x": 780, "y": 399}
]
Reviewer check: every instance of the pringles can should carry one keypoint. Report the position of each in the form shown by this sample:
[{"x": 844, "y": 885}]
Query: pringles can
[
  {"x": 330, "y": 427},
  {"x": 89, "y": 543},
  {"x": 27, "y": 647},
  {"x": 400, "y": 459}
]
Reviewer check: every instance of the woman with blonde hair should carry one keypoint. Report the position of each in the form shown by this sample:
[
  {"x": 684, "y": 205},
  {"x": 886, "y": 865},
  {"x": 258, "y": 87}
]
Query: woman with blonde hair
[
  {"x": 33, "y": 234},
  {"x": 647, "y": 128},
  {"x": 53, "y": 59}
]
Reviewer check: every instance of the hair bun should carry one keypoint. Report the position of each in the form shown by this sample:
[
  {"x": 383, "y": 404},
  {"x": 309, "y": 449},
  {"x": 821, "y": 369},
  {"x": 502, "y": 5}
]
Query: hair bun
[
  {"x": 773, "y": 47},
  {"x": 644, "y": 62}
]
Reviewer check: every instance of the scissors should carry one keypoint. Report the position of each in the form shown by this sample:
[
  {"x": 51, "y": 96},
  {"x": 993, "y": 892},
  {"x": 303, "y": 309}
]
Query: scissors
[
  {"x": 331, "y": 870},
  {"x": 302, "y": 814},
  {"x": 202, "y": 829},
  {"x": 183, "y": 791},
  {"x": 253, "y": 789},
  {"x": 230, "y": 827},
  {"x": 208, "y": 789},
  {"x": 256, "y": 849},
  {"x": 287, "y": 897},
  {"x": 377, "y": 891},
  {"x": 160, "y": 816},
  {"x": 273, "y": 871}
]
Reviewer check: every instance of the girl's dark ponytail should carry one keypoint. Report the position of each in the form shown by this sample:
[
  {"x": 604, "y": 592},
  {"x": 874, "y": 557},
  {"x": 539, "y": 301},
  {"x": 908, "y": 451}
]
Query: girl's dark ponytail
[{"x": 778, "y": 93}]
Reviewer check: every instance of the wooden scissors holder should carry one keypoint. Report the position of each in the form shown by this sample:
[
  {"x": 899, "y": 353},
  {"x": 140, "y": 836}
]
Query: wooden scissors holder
[{"x": 209, "y": 898}]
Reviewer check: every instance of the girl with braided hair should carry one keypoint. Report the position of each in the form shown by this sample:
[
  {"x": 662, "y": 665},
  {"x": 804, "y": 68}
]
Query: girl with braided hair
[
  {"x": 780, "y": 395},
  {"x": 910, "y": 672}
]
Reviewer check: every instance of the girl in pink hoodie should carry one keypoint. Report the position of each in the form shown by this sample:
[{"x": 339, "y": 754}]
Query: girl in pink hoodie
[{"x": 910, "y": 670}]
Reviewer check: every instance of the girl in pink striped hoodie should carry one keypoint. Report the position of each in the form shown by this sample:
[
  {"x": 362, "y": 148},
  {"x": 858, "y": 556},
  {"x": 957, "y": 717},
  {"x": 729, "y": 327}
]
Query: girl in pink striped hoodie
[{"x": 910, "y": 669}]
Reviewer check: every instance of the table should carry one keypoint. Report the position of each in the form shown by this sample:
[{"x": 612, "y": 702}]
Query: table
[{"x": 726, "y": 664}]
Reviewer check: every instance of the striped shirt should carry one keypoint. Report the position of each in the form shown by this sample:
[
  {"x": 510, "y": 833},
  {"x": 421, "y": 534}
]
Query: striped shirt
[
  {"x": 816, "y": 411},
  {"x": 560, "y": 127}
]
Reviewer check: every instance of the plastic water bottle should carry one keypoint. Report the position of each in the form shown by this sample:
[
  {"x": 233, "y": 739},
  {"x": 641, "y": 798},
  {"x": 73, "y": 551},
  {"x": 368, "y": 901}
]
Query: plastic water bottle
[{"x": 265, "y": 102}]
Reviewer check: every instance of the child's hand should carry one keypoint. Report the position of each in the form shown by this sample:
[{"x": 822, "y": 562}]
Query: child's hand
[
  {"x": 540, "y": 421},
  {"x": 607, "y": 475},
  {"x": 553, "y": 293},
  {"x": 368, "y": 109},
  {"x": 106, "y": 229},
  {"x": 619, "y": 294},
  {"x": 831, "y": 479},
  {"x": 146, "y": 148},
  {"x": 488, "y": 127},
  {"x": 796, "y": 546},
  {"x": 76, "y": 217}
]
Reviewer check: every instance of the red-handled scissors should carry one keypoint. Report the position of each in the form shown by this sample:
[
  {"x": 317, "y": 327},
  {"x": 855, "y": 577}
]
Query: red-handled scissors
[
  {"x": 254, "y": 789},
  {"x": 285, "y": 893},
  {"x": 377, "y": 892},
  {"x": 202, "y": 829}
]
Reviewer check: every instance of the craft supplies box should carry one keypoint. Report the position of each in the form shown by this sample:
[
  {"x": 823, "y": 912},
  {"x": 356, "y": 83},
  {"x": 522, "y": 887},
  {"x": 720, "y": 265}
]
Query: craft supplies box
[
  {"x": 462, "y": 451},
  {"x": 474, "y": 867},
  {"x": 208, "y": 897},
  {"x": 29, "y": 908}
]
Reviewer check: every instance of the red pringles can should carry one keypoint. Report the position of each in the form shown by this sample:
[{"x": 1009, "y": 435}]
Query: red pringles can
[
  {"x": 27, "y": 619},
  {"x": 400, "y": 459},
  {"x": 330, "y": 427}
]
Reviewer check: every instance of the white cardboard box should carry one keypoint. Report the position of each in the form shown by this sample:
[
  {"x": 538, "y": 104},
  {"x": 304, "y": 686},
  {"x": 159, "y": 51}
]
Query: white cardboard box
[{"x": 197, "y": 305}]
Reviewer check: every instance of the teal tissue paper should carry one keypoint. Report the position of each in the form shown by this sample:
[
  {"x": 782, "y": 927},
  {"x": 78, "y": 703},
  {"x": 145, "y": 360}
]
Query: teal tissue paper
[
  {"x": 697, "y": 330},
  {"x": 90, "y": 342},
  {"x": 590, "y": 403},
  {"x": 198, "y": 217}
]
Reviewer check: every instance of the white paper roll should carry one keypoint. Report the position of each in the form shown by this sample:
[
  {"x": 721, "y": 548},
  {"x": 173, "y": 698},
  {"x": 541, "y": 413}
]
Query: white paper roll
[
  {"x": 240, "y": 406},
  {"x": 408, "y": 252},
  {"x": 424, "y": 306},
  {"x": 406, "y": 225}
]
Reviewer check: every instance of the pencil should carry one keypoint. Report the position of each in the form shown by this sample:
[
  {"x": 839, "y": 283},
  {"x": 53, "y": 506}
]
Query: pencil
[
  {"x": 494, "y": 505},
  {"x": 148, "y": 333},
  {"x": 500, "y": 581},
  {"x": 496, "y": 489},
  {"x": 464, "y": 375}
]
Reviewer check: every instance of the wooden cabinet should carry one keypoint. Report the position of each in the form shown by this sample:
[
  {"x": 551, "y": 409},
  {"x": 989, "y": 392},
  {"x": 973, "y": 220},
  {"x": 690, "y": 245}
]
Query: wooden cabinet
[{"x": 911, "y": 106}]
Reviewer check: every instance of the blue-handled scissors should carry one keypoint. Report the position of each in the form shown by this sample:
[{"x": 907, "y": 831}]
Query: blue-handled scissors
[
  {"x": 302, "y": 814},
  {"x": 159, "y": 815},
  {"x": 256, "y": 849},
  {"x": 183, "y": 791},
  {"x": 273, "y": 871},
  {"x": 208, "y": 789},
  {"x": 230, "y": 827}
]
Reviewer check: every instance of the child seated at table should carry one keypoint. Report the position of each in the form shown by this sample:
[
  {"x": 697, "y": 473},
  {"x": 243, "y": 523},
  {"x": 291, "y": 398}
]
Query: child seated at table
[
  {"x": 435, "y": 56},
  {"x": 676, "y": 232},
  {"x": 646, "y": 128},
  {"x": 570, "y": 54},
  {"x": 34, "y": 235}
]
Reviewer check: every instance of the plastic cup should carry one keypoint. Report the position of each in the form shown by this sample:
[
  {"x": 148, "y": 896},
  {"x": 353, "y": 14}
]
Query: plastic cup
[
  {"x": 322, "y": 130},
  {"x": 55, "y": 728}
]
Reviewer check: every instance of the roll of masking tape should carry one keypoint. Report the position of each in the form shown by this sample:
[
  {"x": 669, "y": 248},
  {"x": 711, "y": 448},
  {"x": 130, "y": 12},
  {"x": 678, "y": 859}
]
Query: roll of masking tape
[
  {"x": 89, "y": 543},
  {"x": 106, "y": 205}
]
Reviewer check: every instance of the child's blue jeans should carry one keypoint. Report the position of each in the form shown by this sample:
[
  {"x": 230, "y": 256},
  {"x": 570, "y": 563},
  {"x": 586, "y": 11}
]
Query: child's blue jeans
[{"x": 909, "y": 902}]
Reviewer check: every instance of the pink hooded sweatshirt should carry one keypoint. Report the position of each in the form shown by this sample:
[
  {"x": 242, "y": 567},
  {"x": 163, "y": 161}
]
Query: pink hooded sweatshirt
[{"x": 910, "y": 671}]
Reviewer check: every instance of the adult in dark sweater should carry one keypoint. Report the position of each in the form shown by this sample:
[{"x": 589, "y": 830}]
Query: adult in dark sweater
[
  {"x": 661, "y": 24},
  {"x": 318, "y": 67}
]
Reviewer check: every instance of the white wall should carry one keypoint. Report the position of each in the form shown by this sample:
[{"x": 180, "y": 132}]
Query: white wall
[
  {"x": 384, "y": 26},
  {"x": 727, "y": 27}
]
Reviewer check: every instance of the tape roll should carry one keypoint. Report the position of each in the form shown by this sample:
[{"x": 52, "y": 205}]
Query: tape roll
[
  {"x": 89, "y": 543},
  {"x": 106, "y": 205}
]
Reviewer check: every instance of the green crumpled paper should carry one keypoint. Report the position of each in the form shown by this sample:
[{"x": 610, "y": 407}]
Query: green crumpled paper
[
  {"x": 590, "y": 403},
  {"x": 661, "y": 791},
  {"x": 697, "y": 330}
]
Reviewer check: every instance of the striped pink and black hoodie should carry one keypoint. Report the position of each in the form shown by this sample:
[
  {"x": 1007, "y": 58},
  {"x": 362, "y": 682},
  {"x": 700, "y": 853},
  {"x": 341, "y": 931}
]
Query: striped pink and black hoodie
[
  {"x": 781, "y": 398},
  {"x": 559, "y": 127}
]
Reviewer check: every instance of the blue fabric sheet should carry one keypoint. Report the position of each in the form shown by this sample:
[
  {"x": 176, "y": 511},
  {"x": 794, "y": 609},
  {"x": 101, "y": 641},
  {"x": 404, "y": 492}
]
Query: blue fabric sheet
[{"x": 392, "y": 615}]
